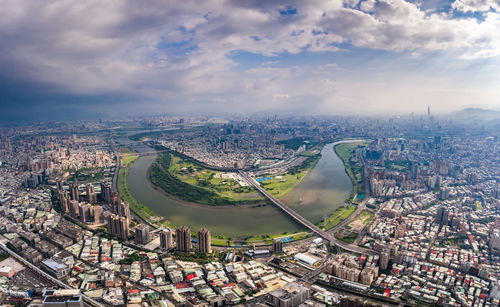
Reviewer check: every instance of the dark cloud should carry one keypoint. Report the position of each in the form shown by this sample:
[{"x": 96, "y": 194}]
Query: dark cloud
[{"x": 90, "y": 58}]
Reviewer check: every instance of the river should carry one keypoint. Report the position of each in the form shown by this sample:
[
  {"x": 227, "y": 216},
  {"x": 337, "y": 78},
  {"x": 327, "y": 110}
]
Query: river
[{"x": 319, "y": 194}]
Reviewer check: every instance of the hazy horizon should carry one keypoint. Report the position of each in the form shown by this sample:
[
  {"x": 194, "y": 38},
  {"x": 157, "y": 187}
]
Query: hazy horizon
[{"x": 88, "y": 60}]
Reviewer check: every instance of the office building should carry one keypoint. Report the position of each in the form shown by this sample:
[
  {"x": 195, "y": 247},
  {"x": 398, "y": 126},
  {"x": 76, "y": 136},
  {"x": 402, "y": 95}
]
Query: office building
[
  {"x": 74, "y": 208},
  {"x": 292, "y": 294},
  {"x": 59, "y": 298},
  {"x": 400, "y": 231},
  {"x": 442, "y": 215},
  {"x": 124, "y": 228},
  {"x": 495, "y": 242},
  {"x": 106, "y": 192},
  {"x": 204, "y": 241},
  {"x": 97, "y": 214},
  {"x": 277, "y": 246},
  {"x": 84, "y": 213},
  {"x": 384, "y": 260},
  {"x": 111, "y": 224},
  {"x": 165, "y": 238},
  {"x": 120, "y": 208},
  {"x": 63, "y": 200},
  {"x": 444, "y": 194},
  {"x": 92, "y": 197},
  {"x": 142, "y": 234},
  {"x": 118, "y": 226},
  {"x": 74, "y": 192},
  {"x": 183, "y": 239},
  {"x": 55, "y": 268}
]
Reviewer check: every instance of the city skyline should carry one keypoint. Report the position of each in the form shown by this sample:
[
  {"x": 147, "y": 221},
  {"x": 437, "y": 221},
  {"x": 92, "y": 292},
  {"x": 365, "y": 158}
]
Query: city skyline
[
  {"x": 99, "y": 60},
  {"x": 252, "y": 211}
]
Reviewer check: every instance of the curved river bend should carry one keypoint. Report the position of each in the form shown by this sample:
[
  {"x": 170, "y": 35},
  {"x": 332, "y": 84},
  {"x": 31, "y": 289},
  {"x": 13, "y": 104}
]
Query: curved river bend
[{"x": 318, "y": 195}]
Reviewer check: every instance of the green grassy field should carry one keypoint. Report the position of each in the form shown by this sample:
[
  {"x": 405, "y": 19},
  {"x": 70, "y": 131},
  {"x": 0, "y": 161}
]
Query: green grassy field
[
  {"x": 90, "y": 174},
  {"x": 366, "y": 216},
  {"x": 196, "y": 175},
  {"x": 401, "y": 166},
  {"x": 126, "y": 160},
  {"x": 125, "y": 150},
  {"x": 281, "y": 184},
  {"x": 350, "y": 238},
  {"x": 336, "y": 217},
  {"x": 353, "y": 170},
  {"x": 284, "y": 184},
  {"x": 269, "y": 238},
  {"x": 195, "y": 184}
]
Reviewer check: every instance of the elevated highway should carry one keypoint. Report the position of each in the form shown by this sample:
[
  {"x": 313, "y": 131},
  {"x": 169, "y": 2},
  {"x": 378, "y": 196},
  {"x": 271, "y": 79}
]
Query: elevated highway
[
  {"x": 32, "y": 267},
  {"x": 303, "y": 221}
]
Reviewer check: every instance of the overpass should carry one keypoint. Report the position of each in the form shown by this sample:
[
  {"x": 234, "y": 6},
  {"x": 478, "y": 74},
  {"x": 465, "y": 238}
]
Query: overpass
[
  {"x": 303, "y": 221},
  {"x": 52, "y": 279}
]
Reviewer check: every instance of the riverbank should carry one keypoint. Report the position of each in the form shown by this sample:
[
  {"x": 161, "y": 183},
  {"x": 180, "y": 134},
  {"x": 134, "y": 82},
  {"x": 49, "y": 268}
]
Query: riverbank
[
  {"x": 353, "y": 168},
  {"x": 323, "y": 187},
  {"x": 198, "y": 205},
  {"x": 161, "y": 175},
  {"x": 191, "y": 182},
  {"x": 223, "y": 184},
  {"x": 139, "y": 209}
]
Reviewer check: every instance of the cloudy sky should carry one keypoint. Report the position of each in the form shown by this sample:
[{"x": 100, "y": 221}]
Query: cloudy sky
[{"x": 78, "y": 59}]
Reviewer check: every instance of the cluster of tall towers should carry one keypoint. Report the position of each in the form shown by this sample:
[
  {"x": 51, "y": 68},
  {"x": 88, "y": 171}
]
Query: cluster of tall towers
[
  {"x": 84, "y": 212},
  {"x": 183, "y": 240},
  {"x": 73, "y": 193},
  {"x": 88, "y": 212},
  {"x": 119, "y": 218}
]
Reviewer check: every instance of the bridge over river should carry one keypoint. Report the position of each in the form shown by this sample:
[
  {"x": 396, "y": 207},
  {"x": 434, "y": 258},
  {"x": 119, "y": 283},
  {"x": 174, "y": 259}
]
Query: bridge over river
[{"x": 300, "y": 219}]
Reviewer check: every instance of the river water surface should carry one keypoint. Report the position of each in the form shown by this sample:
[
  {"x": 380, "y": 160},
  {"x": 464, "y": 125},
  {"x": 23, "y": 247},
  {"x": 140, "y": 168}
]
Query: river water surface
[{"x": 318, "y": 195}]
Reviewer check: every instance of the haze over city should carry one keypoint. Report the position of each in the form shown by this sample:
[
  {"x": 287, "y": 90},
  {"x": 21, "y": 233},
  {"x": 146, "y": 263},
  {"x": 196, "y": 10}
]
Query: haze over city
[
  {"x": 216, "y": 153},
  {"x": 91, "y": 59}
]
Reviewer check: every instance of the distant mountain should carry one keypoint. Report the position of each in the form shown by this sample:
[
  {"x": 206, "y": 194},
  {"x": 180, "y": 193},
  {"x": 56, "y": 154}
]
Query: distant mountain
[
  {"x": 476, "y": 114},
  {"x": 487, "y": 119}
]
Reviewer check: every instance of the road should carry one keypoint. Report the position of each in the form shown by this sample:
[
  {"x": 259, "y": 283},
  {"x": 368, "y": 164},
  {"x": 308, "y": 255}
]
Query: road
[
  {"x": 361, "y": 206},
  {"x": 114, "y": 183},
  {"x": 54, "y": 280},
  {"x": 303, "y": 221}
]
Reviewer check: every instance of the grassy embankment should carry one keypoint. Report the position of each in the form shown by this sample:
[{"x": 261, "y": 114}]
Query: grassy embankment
[
  {"x": 268, "y": 239},
  {"x": 124, "y": 190},
  {"x": 353, "y": 169},
  {"x": 336, "y": 217},
  {"x": 206, "y": 189},
  {"x": 282, "y": 184}
]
